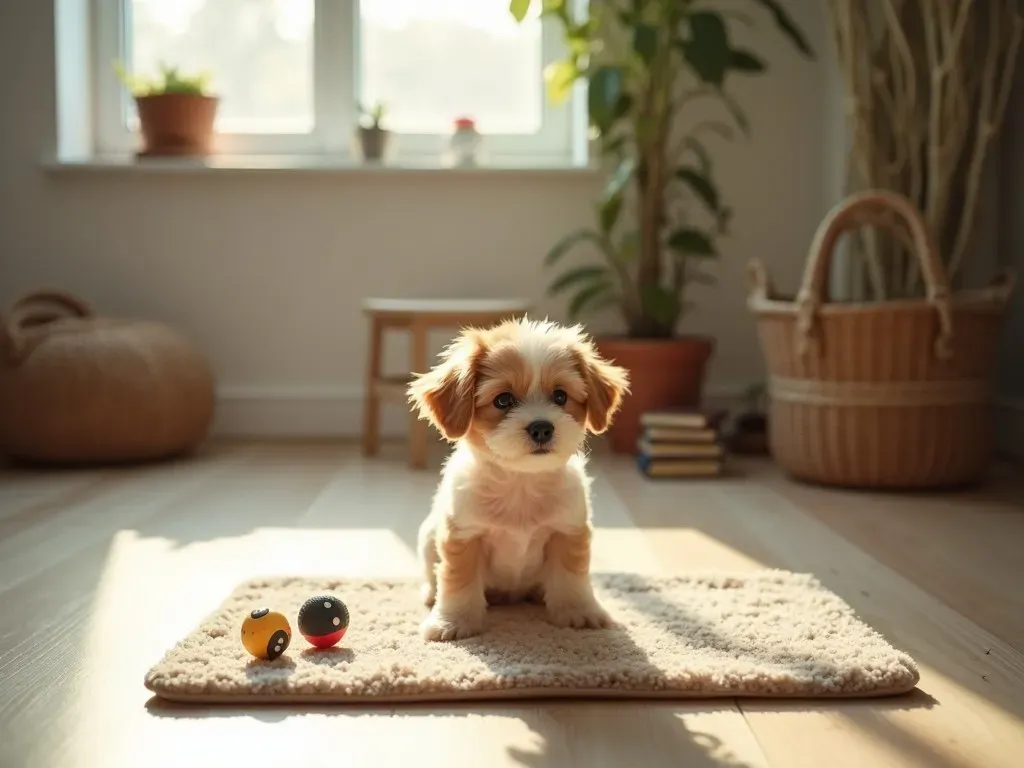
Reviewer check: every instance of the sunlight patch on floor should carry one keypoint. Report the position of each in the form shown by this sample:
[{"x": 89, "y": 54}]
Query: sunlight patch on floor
[{"x": 704, "y": 551}]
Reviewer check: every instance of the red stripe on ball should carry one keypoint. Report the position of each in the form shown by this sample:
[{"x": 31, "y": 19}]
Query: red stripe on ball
[{"x": 326, "y": 641}]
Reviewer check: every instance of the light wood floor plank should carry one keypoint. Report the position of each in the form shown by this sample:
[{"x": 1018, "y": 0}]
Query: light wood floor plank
[{"x": 30, "y": 494}]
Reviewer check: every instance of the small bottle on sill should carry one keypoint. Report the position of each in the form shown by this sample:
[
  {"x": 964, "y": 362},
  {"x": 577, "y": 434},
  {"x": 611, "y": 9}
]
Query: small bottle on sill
[{"x": 465, "y": 148}]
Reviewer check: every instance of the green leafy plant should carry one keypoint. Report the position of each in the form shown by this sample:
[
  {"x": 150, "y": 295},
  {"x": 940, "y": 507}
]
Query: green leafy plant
[
  {"x": 373, "y": 118},
  {"x": 646, "y": 65},
  {"x": 169, "y": 80}
]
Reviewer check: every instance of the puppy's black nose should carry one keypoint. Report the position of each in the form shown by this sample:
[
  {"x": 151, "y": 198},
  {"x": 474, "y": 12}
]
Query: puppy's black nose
[{"x": 541, "y": 431}]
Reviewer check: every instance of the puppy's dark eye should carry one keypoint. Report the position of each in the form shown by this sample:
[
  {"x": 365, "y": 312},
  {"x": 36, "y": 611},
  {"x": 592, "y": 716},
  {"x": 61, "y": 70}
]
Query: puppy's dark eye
[
  {"x": 559, "y": 397},
  {"x": 504, "y": 401}
]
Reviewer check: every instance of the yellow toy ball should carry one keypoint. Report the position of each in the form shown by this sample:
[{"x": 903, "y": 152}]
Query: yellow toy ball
[{"x": 266, "y": 634}]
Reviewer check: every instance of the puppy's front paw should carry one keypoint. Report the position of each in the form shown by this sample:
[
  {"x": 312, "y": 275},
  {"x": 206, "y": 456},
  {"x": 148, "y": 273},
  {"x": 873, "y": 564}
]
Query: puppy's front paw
[
  {"x": 588, "y": 615},
  {"x": 444, "y": 628}
]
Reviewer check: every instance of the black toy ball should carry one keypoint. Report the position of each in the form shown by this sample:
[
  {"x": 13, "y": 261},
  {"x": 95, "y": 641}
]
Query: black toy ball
[{"x": 323, "y": 620}]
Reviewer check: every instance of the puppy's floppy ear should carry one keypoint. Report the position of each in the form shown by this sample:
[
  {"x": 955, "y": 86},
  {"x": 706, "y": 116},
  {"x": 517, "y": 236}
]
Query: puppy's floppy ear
[
  {"x": 445, "y": 395},
  {"x": 607, "y": 385}
]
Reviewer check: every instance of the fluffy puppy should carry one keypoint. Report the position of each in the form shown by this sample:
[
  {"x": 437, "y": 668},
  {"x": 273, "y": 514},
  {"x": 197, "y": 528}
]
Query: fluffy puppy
[{"x": 511, "y": 517}]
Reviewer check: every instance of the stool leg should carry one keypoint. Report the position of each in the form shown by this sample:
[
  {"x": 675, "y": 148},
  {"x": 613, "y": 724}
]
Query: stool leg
[
  {"x": 371, "y": 400},
  {"x": 418, "y": 429}
]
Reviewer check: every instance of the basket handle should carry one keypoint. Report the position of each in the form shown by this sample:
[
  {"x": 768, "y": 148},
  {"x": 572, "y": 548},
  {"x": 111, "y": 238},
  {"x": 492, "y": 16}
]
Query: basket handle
[
  {"x": 849, "y": 214},
  {"x": 35, "y": 309}
]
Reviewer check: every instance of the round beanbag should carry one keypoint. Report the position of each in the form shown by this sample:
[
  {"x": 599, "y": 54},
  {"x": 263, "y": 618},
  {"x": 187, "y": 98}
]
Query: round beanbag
[{"x": 77, "y": 388}]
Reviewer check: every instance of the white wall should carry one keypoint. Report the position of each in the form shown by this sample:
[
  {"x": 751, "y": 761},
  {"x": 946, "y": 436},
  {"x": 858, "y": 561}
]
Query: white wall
[{"x": 267, "y": 271}]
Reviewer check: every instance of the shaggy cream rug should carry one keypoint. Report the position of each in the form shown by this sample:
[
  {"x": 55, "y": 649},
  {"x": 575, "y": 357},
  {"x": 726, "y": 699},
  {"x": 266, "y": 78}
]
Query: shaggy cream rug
[{"x": 766, "y": 634}]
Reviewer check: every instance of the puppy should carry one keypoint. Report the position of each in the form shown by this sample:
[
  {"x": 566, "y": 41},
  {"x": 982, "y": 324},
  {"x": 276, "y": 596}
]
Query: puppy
[{"x": 511, "y": 517}]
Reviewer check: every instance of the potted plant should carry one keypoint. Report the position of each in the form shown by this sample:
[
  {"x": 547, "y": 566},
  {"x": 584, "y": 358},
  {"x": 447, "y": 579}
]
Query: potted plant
[
  {"x": 176, "y": 112},
  {"x": 373, "y": 137},
  {"x": 661, "y": 213}
]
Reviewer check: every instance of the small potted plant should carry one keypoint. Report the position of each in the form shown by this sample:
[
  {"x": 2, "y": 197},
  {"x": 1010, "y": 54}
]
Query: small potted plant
[
  {"x": 373, "y": 136},
  {"x": 176, "y": 112},
  {"x": 649, "y": 66}
]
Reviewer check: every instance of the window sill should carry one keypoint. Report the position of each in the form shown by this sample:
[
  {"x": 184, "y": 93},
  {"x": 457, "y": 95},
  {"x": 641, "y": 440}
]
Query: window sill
[{"x": 305, "y": 164}]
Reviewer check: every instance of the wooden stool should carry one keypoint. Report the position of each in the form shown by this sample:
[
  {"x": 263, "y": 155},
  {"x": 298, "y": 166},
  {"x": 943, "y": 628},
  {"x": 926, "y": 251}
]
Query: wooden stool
[{"x": 418, "y": 316}]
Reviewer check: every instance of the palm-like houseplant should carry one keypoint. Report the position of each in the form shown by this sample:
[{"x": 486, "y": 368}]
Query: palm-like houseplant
[{"x": 646, "y": 64}]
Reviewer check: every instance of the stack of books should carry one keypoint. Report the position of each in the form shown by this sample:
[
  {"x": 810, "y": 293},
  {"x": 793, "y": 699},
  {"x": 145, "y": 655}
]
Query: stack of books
[{"x": 681, "y": 443}]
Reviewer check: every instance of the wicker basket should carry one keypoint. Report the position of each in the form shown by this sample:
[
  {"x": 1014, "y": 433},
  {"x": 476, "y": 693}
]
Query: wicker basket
[
  {"x": 78, "y": 388},
  {"x": 889, "y": 394}
]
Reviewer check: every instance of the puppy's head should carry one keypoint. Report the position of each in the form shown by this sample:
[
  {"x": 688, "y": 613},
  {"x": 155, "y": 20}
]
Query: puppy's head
[{"x": 524, "y": 392}]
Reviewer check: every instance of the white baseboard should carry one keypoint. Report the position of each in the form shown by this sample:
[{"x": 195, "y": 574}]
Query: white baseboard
[
  {"x": 318, "y": 412},
  {"x": 1010, "y": 426}
]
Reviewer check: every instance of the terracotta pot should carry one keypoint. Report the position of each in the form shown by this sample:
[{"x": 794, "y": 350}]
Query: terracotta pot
[
  {"x": 664, "y": 373},
  {"x": 176, "y": 124}
]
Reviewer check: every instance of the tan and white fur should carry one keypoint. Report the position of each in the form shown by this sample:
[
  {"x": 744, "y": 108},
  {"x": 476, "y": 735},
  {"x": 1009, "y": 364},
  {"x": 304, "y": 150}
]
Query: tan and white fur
[{"x": 511, "y": 517}]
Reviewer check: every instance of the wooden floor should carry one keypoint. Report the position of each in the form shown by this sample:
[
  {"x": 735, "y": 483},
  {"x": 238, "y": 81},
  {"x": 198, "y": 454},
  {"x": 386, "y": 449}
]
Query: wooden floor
[{"x": 100, "y": 571}]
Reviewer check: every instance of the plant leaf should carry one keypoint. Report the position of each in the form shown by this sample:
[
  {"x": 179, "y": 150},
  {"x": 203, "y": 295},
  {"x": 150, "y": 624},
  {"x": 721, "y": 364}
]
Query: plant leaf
[
  {"x": 603, "y": 95},
  {"x": 566, "y": 244},
  {"x": 788, "y": 26},
  {"x": 659, "y": 303},
  {"x": 701, "y": 186},
  {"x": 584, "y": 274},
  {"x": 629, "y": 246},
  {"x": 621, "y": 177},
  {"x": 611, "y": 202},
  {"x": 585, "y": 296},
  {"x": 707, "y": 50},
  {"x": 559, "y": 77},
  {"x": 691, "y": 242},
  {"x": 737, "y": 113},
  {"x": 613, "y": 146},
  {"x": 608, "y": 211},
  {"x": 519, "y": 8},
  {"x": 645, "y": 42},
  {"x": 745, "y": 61},
  {"x": 703, "y": 156},
  {"x": 623, "y": 105}
]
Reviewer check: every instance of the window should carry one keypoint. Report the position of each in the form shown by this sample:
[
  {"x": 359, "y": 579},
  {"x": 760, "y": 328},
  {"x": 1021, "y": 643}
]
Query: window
[{"x": 292, "y": 73}]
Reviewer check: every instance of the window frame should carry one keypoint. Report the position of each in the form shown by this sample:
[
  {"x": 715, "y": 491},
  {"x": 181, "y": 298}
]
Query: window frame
[{"x": 334, "y": 99}]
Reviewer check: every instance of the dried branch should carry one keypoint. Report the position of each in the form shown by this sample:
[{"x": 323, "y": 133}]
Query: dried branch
[
  {"x": 998, "y": 71},
  {"x": 927, "y": 84}
]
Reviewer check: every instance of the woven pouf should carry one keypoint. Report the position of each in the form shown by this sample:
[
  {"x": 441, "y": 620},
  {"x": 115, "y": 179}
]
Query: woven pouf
[{"x": 77, "y": 388}]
